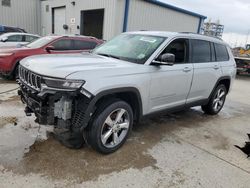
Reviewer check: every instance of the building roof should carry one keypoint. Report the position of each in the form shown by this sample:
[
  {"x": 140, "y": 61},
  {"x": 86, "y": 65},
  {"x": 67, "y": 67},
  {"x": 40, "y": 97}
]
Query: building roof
[{"x": 166, "y": 5}]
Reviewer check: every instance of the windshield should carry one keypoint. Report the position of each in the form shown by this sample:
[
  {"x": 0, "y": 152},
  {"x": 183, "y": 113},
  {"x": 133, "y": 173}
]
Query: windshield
[
  {"x": 135, "y": 48},
  {"x": 40, "y": 42}
]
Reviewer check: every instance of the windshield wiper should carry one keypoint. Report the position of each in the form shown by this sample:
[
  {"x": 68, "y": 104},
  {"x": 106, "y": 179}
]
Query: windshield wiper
[{"x": 109, "y": 55}]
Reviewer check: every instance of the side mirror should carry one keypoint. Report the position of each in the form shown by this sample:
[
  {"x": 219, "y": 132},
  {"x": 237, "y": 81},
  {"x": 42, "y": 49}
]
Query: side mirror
[
  {"x": 49, "y": 48},
  {"x": 4, "y": 39},
  {"x": 165, "y": 59}
]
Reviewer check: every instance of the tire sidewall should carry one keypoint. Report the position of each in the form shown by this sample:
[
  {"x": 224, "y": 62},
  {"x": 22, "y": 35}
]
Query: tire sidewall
[
  {"x": 213, "y": 97},
  {"x": 100, "y": 119}
]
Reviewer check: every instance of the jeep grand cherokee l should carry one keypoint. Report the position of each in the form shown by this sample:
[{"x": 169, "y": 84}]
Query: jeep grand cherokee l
[
  {"x": 98, "y": 96},
  {"x": 10, "y": 57}
]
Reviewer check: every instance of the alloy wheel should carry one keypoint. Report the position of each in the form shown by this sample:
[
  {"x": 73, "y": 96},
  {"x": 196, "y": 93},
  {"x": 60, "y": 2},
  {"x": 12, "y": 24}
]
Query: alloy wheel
[
  {"x": 219, "y": 99},
  {"x": 115, "y": 128}
]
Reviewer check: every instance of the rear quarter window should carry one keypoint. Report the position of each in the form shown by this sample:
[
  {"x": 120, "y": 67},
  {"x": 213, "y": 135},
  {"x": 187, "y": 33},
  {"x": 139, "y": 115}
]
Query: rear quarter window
[
  {"x": 201, "y": 51},
  {"x": 221, "y": 52},
  {"x": 63, "y": 44},
  {"x": 84, "y": 45}
]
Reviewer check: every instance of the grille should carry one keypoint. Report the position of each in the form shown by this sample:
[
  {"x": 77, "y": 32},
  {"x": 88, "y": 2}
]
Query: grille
[{"x": 29, "y": 78}]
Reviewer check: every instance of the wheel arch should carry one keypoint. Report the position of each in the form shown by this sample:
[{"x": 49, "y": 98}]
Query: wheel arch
[
  {"x": 130, "y": 95},
  {"x": 226, "y": 80},
  {"x": 13, "y": 71}
]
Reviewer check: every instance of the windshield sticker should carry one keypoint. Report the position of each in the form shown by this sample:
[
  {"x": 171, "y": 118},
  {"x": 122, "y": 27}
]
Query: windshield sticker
[
  {"x": 148, "y": 39},
  {"x": 141, "y": 56}
]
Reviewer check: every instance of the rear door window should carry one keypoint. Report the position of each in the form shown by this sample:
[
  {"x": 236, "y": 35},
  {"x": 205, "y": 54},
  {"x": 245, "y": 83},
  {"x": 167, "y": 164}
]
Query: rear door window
[
  {"x": 84, "y": 45},
  {"x": 29, "y": 38},
  {"x": 201, "y": 51},
  {"x": 15, "y": 38},
  {"x": 221, "y": 52},
  {"x": 63, "y": 44}
]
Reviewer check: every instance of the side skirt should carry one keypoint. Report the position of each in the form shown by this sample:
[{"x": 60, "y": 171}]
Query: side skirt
[{"x": 176, "y": 109}]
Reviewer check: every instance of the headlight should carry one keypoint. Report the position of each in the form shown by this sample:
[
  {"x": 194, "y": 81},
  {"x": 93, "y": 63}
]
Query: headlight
[
  {"x": 5, "y": 54},
  {"x": 63, "y": 84}
]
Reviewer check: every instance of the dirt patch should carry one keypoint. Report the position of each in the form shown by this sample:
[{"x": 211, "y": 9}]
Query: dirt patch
[
  {"x": 7, "y": 120},
  {"x": 55, "y": 161},
  {"x": 220, "y": 142},
  {"x": 6, "y": 81}
]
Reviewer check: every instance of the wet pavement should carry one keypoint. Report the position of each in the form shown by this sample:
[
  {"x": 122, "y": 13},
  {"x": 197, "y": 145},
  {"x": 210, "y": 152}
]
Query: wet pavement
[{"x": 185, "y": 149}]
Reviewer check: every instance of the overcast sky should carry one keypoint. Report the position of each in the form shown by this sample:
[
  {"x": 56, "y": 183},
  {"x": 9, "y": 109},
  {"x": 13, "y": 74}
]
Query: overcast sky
[{"x": 233, "y": 14}]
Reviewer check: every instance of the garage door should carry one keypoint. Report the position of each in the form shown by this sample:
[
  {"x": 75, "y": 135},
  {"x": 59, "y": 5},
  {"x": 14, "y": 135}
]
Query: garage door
[{"x": 59, "y": 19}]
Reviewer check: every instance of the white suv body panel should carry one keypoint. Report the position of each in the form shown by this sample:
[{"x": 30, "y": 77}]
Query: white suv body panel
[
  {"x": 204, "y": 79},
  {"x": 170, "y": 86}
]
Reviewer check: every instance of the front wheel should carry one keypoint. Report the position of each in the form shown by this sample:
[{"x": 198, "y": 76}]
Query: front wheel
[
  {"x": 216, "y": 101},
  {"x": 16, "y": 72},
  {"x": 110, "y": 126}
]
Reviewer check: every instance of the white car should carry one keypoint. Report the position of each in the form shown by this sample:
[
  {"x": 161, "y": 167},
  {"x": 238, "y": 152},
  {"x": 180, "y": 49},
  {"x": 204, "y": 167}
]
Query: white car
[{"x": 16, "y": 39}]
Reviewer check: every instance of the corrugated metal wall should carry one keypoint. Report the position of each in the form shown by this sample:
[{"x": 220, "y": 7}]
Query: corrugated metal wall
[
  {"x": 142, "y": 16},
  {"x": 146, "y": 16},
  {"x": 112, "y": 15},
  {"x": 22, "y": 13}
]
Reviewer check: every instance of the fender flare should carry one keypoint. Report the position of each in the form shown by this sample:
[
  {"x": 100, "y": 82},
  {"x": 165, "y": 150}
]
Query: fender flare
[
  {"x": 94, "y": 99},
  {"x": 216, "y": 84},
  {"x": 17, "y": 62}
]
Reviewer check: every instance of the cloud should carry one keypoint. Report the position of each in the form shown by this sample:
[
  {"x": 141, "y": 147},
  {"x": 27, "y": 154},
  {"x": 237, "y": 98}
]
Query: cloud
[{"x": 233, "y": 14}]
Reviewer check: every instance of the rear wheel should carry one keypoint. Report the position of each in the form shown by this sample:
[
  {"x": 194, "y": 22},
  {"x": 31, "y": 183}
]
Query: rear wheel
[
  {"x": 110, "y": 126},
  {"x": 216, "y": 101}
]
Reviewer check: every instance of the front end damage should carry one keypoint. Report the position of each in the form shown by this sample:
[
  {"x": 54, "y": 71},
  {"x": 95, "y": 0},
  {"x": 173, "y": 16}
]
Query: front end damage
[{"x": 65, "y": 109}]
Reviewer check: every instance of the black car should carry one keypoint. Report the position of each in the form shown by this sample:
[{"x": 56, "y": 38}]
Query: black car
[{"x": 8, "y": 29}]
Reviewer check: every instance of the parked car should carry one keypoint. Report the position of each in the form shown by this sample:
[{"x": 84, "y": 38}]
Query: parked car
[
  {"x": 10, "y": 57},
  {"x": 8, "y": 29},
  {"x": 98, "y": 96},
  {"x": 243, "y": 65},
  {"x": 16, "y": 39}
]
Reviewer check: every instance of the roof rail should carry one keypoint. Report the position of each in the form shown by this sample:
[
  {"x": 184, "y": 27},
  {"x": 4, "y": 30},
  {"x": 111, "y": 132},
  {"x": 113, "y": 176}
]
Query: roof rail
[
  {"x": 77, "y": 35},
  {"x": 201, "y": 35}
]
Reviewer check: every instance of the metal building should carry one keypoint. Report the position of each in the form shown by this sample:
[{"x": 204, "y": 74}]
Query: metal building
[
  {"x": 24, "y": 14},
  {"x": 107, "y": 18}
]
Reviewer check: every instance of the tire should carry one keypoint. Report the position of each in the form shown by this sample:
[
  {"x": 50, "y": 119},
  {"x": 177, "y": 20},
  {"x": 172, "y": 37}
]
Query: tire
[
  {"x": 217, "y": 100},
  {"x": 106, "y": 121},
  {"x": 16, "y": 73}
]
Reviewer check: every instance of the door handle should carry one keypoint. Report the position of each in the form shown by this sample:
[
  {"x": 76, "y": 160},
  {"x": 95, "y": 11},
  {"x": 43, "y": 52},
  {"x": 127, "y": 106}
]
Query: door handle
[
  {"x": 187, "y": 69},
  {"x": 216, "y": 67}
]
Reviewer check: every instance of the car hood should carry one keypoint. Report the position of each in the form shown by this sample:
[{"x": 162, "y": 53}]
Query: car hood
[
  {"x": 12, "y": 49},
  {"x": 61, "y": 66}
]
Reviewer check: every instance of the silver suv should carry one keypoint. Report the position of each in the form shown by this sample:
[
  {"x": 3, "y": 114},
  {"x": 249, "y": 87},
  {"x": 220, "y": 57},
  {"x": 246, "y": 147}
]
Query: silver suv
[{"x": 96, "y": 97}]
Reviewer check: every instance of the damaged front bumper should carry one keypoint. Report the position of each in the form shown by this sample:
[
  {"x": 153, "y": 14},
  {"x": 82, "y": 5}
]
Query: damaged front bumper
[{"x": 60, "y": 108}]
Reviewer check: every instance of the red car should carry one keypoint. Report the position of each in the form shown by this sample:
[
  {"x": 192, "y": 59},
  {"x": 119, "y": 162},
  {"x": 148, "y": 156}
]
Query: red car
[{"x": 10, "y": 57}]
